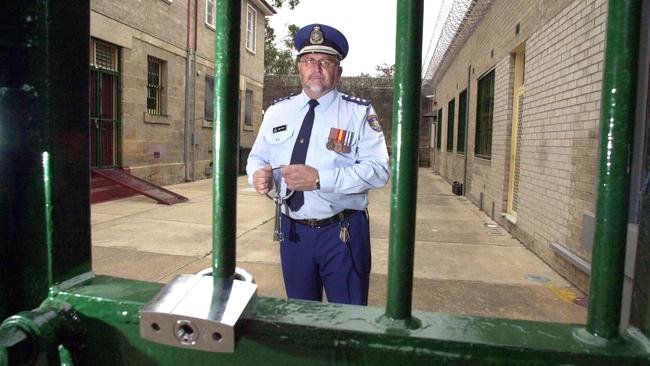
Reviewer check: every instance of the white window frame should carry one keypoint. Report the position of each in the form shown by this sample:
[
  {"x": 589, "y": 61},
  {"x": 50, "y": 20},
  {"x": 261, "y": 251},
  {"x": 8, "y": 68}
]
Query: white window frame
[
  {"x": 211, "y": 13},
  {"x": 251, "y": 29}
]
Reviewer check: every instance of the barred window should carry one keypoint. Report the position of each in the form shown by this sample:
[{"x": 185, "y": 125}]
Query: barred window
[
  {"x": 484, "y": 112},
  {"x": 462, "y": 122},
  {"x": 155, "y": 85},
  {"x": 104, "y": 55},
  {"x": 450, "y": 124}
]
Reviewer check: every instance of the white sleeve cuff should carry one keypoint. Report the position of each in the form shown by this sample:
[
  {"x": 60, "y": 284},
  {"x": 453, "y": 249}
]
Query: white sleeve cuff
[{"x": 327, "y": 180}]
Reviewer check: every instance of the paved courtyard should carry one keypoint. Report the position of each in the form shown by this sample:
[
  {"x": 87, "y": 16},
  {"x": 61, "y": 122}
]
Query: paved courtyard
[{"x": 464, "y": 262}]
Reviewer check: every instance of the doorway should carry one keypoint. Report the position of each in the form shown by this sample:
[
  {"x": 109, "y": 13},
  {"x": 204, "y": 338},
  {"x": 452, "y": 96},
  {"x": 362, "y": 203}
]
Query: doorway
[{"x": 104, "y": 106}]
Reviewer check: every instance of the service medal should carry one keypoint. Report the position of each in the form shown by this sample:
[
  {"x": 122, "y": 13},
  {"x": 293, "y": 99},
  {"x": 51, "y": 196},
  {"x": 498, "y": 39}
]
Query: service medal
[{"x": 339, "y": 140}]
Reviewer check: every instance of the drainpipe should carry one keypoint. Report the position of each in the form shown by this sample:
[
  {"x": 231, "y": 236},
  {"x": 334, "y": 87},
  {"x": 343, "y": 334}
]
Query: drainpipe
[
  {"x": 404, "y": 168},
  {"x": 193, "y": 118},
  {"x": 187, "y": 131},
  {"x": 196, "y": 23},
  {"x": 616, "y": 135},
  {"x": 188, "y": 142}
]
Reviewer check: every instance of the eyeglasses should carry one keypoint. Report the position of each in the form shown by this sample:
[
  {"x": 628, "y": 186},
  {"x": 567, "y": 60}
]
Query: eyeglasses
[{"x": 324, "y": 63}]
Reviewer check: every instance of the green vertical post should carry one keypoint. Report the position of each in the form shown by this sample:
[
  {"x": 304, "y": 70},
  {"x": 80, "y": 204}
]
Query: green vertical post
[
  {"x": 49, "y": 229},
  {"x": 404, "y": 168},
  {"x": 43, "y": 107},
  {"x": 617, "y": 127},
  {"x": 225, "y": 138}
]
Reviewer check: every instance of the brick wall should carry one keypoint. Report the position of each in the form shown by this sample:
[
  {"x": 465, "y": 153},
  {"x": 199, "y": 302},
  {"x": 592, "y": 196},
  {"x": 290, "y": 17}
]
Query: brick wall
[
  {"x": 561, "y": 120},
  {"x": 153, "y": 146},
  {"x": 564, "y": 45}
]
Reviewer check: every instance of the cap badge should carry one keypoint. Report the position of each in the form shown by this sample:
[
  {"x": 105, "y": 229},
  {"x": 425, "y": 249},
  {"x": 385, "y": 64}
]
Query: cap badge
[{"x": 316, "y": 36}]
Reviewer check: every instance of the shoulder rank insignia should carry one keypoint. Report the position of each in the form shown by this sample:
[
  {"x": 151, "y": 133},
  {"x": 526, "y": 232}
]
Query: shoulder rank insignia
[
  {"x": 284, "y": 98},
  {"x": 339, "y": 140},
  {"x": 356, "y": 100},
  {"x": 373, "y": 122}
]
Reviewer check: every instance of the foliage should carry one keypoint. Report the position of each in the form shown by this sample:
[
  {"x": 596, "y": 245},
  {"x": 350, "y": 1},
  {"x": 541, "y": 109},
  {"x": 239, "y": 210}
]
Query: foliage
[
  {"x": 278, "y": 59},
  {"x": 385, "y": 71},
  {"x": 292, "y": 3}
]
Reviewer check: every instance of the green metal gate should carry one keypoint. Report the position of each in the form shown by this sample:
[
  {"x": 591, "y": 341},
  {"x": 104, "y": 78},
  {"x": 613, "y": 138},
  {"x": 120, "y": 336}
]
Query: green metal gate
[{"x": 78, "y": 318}]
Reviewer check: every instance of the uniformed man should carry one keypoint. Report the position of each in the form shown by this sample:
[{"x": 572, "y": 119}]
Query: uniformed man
[{"x": 324, "y": 150}]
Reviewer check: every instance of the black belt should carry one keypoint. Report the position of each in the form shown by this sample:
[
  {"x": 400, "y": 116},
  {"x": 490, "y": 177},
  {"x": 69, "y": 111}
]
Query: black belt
[{"x": 317, "y": 224}]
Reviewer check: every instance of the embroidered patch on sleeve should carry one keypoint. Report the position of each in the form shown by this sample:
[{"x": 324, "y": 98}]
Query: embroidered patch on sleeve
[
  {"x": 373, "y": 122},
  {"x": 339, "y": 140}
]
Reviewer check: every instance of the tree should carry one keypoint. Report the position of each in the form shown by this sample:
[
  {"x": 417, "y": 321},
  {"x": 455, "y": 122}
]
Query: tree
[
  {"x": 292, "y": 3},
  {"x": 385, "y": 71},
  {"x": 278, "y": 59}
]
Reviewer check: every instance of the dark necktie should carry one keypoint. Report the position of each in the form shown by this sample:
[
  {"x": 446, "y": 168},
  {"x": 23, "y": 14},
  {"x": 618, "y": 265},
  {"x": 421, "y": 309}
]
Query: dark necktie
[{"x": 299, "y": 152}]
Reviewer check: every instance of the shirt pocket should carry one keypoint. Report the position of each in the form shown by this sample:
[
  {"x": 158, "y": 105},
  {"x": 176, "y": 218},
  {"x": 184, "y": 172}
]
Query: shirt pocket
[
  {"x": 279, "y": 137},
  {"x": 280, "y": 145}
]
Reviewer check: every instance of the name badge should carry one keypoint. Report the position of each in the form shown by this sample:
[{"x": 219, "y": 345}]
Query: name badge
[{"x": 279, "y": 128}]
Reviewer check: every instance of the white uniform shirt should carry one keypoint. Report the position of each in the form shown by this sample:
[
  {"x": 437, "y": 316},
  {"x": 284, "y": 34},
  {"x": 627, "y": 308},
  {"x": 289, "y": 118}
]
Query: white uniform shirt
[{"x": 346, "y": 146}]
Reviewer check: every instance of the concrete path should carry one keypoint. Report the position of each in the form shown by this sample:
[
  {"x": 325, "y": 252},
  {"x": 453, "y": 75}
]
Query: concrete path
[{"x": 464, "y": 262}]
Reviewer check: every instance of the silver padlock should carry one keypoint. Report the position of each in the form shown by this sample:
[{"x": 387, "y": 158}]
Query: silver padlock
[{"x": 198, "y": 311}]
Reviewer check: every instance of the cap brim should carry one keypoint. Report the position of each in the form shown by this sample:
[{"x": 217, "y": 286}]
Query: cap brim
[{"x": 319, "y": 49}]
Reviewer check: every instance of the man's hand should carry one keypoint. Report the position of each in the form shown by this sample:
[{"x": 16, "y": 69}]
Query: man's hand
[
  {"x": 300, "y": 177},
  {"x": 263, "y": 180}
]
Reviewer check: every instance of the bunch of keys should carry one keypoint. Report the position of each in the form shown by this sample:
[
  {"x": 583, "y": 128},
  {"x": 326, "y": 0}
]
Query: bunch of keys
[
  {"x": 278, "y": 200},
  {"x": 344, "y": 234}
]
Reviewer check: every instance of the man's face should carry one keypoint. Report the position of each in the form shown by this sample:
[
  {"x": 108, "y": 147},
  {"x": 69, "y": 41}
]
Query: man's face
[{"x": 319, "y": 73}]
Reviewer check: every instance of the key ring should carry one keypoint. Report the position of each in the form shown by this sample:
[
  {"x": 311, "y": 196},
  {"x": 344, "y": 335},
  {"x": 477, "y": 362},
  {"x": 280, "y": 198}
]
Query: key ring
[
  {"x": 278, "y": 201},
  {"x": 277, "y": 198}
]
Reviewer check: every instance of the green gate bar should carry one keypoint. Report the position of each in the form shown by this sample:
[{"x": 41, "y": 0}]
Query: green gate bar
[
  {"x": 404, "y": 168},
  {"x": 616, "y": 134},
  {"x": 225, "y": 138},
  {"x": 96, "y": 320},
  {"x": 43, "y": 108}
]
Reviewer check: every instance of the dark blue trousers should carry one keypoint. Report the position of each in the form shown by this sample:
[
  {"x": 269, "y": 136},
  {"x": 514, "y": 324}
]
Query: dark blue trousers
[{"x": 316, "y": 258}]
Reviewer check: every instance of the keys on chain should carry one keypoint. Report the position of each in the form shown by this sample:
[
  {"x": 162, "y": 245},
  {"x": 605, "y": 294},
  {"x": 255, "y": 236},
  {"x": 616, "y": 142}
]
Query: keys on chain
[
  {"x": 278, "y": 200},
  {"x": 344, "y": 234},
  {"x": 277, "y": 232}
]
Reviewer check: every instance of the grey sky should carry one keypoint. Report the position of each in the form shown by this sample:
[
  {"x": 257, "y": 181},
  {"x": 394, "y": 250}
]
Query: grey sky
[{"x": 369, "y": 26}]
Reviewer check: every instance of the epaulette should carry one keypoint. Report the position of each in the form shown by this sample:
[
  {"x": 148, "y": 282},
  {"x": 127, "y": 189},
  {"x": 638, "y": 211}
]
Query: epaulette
[
  {"x": 284, "y": 98},
  {"x": 356, "y": 100}
]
